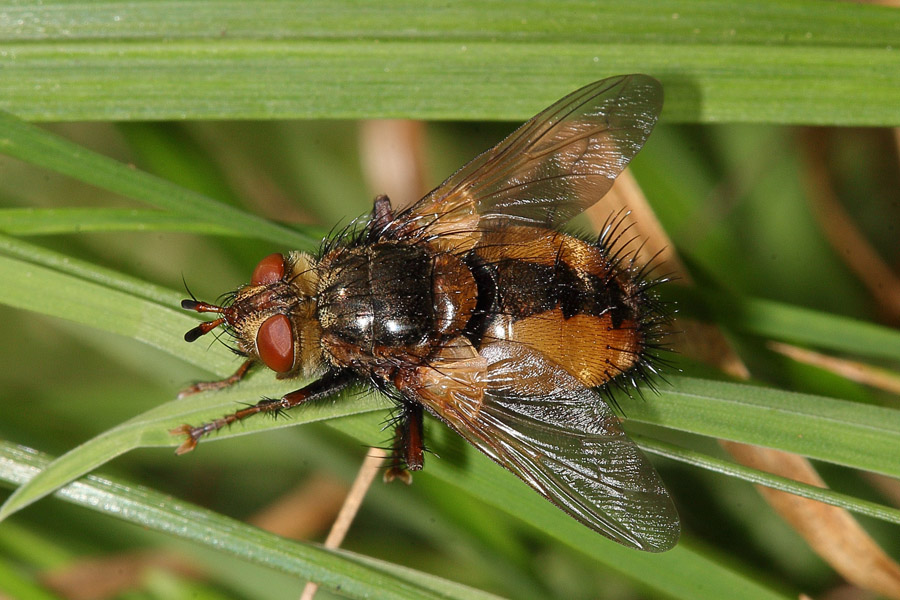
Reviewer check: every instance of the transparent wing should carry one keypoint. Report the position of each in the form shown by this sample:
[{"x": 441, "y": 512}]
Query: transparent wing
[
  {"x": 551, "y": 168},
  {"x": 562, "y": 439}
]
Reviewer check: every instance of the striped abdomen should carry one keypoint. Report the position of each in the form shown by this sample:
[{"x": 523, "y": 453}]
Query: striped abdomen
[{"x": 561, "y": 296}]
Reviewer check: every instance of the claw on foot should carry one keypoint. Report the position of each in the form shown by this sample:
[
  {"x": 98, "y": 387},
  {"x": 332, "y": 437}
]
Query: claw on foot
[
  {"x": 190, "y": 443},
  {"x": 189, "y": 391},
  {"x": 206, "y": 386},
  {"x": 399, "y": 474}
]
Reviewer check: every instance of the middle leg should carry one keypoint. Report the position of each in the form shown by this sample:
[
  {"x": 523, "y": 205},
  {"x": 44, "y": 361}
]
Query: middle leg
[{"x": 409, "y": 444}]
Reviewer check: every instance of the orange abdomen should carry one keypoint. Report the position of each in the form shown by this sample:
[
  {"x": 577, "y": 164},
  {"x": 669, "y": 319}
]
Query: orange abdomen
[{"x": 561, "y": 296}]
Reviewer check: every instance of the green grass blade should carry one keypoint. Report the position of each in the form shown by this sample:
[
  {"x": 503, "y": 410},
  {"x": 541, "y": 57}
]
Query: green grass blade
[
  {"x": 787, "y": 62},
  {"x": 48, "y": 221},
  {"x": 838, "y": 431},
  {"x": 706, "y": 23},
  {"x": 794, "y": 324},
  {"x": 776, "y": 320},
  {"x": 36, "y": 146},
  {"x": 151, "y": 429},
  {"x": 63, "y": 264},
  {"x": 698, "y": 459},
  {"x": 50, "y": 292},
  {"x": 341, "y": 572}
]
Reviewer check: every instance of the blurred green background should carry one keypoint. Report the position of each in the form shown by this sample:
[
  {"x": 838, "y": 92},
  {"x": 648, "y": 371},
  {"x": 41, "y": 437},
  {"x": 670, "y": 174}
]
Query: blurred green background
[{"x": 738, "y": 201}]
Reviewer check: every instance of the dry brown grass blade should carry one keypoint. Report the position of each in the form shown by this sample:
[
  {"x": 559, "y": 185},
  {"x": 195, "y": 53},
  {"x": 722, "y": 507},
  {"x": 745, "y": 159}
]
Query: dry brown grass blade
[
  {"x": 831, "y": 532},
  {"x": 886, "y": 486},
  {"x": 304, "y": 512},
  {"x": 364, "y": 478},
  {"x": 113, "y": 576},
  {"x": 393, "y": 159},
  {"x": 848, "y": 369},
  {"x": 843, "y": 235}
]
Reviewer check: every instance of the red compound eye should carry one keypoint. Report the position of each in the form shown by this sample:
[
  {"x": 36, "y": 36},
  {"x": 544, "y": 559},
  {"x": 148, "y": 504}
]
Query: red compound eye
[
  {"x": 269, "y": 270},
  {"x": 275, "y": 343}
]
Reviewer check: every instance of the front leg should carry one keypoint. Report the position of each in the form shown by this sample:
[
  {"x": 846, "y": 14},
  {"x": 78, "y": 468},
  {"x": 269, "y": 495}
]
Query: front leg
[
  {"x": 206, "y": 386},
  {"x": 330, "y": 383}
]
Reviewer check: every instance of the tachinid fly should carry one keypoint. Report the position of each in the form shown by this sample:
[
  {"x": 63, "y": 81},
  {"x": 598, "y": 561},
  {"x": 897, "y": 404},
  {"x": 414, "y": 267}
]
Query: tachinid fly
[{"x": 471, "y": 305}]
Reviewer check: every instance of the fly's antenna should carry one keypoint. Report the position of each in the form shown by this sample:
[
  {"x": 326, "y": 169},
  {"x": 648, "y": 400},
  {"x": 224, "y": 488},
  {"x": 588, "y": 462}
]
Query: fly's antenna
[{"x": 206, "y": 326}]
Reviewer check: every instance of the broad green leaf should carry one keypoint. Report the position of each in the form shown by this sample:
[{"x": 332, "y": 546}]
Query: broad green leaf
[{"x": 792, "y": 61}]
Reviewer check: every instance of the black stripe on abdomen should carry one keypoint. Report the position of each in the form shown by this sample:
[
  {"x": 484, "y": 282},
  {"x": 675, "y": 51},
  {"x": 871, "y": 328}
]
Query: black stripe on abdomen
[{"x": 527, "y": 288}]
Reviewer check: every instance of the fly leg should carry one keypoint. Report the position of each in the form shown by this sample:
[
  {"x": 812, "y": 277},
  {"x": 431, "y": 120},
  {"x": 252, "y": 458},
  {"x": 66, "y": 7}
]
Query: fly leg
[
  {"x": 205, "y": 386},
  {"x": 327, "y": 385},
  {"x": 409, "y": 445}
]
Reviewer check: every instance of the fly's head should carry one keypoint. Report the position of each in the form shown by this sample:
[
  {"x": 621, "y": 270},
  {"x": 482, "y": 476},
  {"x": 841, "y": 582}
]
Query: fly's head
[{"x": 272, "y": 318}]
